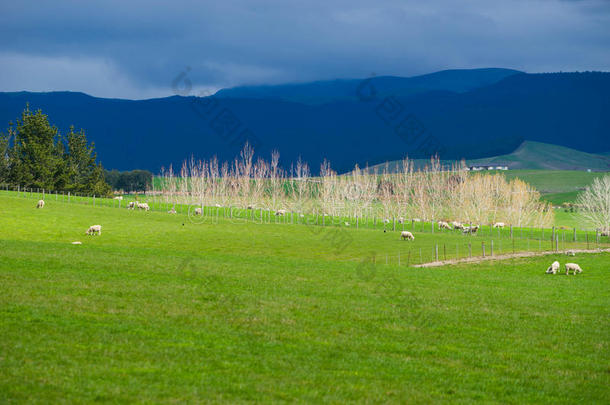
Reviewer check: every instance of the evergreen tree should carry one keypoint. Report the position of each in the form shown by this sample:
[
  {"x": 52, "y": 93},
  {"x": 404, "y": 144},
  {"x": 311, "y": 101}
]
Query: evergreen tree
[
  {"x": 40, "y": 157},
  {"x": 83, "y": 173},
  {"x": 5, "y": 140},
  {"x": 34, "y": 157}
]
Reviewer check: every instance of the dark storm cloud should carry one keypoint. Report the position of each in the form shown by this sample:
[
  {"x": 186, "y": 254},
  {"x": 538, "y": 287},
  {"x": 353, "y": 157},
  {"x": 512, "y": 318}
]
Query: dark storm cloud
[{"x": 134, "y": 49}]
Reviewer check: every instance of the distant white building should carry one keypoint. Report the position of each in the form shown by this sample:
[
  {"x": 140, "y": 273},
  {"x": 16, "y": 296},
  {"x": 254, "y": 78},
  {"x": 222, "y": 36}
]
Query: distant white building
[{"x": 477, "y": 168}]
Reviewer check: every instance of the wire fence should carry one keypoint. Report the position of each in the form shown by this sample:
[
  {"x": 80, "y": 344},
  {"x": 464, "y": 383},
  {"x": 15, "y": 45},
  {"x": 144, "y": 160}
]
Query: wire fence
[{"x": 487, "y": 241}]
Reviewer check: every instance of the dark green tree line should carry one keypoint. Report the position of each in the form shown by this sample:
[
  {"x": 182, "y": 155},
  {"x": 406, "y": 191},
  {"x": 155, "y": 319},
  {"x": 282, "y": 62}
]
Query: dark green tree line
[{"x": 36, "y": 155}]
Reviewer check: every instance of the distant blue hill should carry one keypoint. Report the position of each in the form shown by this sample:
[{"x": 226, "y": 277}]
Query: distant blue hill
[
  {"x": 457, "y": 80},
  {"x": 567, "y": 109}
]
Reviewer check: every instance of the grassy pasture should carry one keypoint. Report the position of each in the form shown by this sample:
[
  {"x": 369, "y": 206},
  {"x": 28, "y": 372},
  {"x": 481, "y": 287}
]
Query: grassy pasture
[{"x": 161, "y": 309}]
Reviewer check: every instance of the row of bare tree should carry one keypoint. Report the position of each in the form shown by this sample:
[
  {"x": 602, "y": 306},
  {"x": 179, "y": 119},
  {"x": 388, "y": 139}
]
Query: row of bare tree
[{"x": 434, "y": 193}]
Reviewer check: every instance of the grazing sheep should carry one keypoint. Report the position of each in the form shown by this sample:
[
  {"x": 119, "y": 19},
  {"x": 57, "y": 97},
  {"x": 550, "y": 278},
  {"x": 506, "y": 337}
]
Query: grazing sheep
[
  {"x": 457, "y": 225},
  {"x": 471, "y": 229},
  {"x": 172, "y": 211},
  {"x": 94, "y": 230},
  {"x": 119, "y": 197},
  {"x": 250, "y": 207},
  {"x": 131, "y": 205},
  {"x": 574, "y": 267},
  {"x": 218, "y": 206},
  {"x": 499, "y": 225},
  {"x": 346, "y": 223},
  {"x": 553, "y": 268},
  {"x": 443, "y": 225},
  {"x": 77, "y": 243},
  {"x": 302, "y": 216},
  {"x": 386, "y": 221},
  {"x": 401, "y": 220},
  {"x": 407, "y": 235},
  {"x": 604, "y": 232},
  {"x": 40, "y": 204},
  {"x": 280, "y": 213},
  {"x": 570, "y": 253},
  {"x": 416, "y": 220},
  {"x": 143, "y": 206},
  {"x": 198, "y": 211}
]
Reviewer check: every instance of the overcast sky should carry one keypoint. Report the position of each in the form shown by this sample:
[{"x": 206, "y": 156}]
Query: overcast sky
[{"x": 135, "y": 49}]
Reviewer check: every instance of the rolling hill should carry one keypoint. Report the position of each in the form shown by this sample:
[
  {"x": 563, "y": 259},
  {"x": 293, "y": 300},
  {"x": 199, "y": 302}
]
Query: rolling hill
[
  {"x": 529, "y": 156},
  {"x": 455, "y": 80},
  {"x": 465, "y": 121}
]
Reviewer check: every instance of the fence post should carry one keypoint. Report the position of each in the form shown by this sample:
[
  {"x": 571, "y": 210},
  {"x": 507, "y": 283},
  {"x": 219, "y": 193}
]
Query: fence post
[
  {"x": 469, "y": 249},
  {"x": 574, "y": 235},
  {"x": 435, "y": 250},
  {"x": 399, "y": 258},
  {"x": 511, "y": 231},
  {"x": 587, "y": 236},
  {"x": 483, "y": 248},
  {"x": 492, "y": 247}
]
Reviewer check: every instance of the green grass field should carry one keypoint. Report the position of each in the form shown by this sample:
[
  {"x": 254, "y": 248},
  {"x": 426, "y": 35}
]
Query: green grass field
[{"x": 161, "y": 309}]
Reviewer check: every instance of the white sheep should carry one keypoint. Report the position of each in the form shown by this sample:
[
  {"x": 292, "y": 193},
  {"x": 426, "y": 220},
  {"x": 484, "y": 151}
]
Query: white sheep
[
  {"x": 218, "y": 206},
  {"x": 570, "y": 253},
  {"x": 499, "y": 225},
  {"x": 346, "y": 223},
  {"x": 143, "y": 206},
  {"x": 574, "y": 267},
  {"x": 198, "y": 211},
  {"x": 471, "y": 229},
  {"x": 40, "y": 204},
  {"x": 172, "y": 211},
  {"x": 280, "y": 213},
  {"x": 119, "y": 197},
  {"x": 553, "y": 268},
  {"x": 94, "y": 229},
  {"x": 131, "y": 205},
  {"x": 407, "y": 235},
  {"x": 443, "y": 225},
  {"x": 457, "y": 225}
]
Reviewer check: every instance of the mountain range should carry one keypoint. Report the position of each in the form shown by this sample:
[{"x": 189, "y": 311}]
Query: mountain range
[{"x": 459, "y": 113}]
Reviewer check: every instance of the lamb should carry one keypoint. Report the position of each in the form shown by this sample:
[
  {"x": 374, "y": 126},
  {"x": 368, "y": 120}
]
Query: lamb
[
  {"x": 172, "y": 211},
  {"x": 499, "y": 225},
  {"x": 40, "y": 204},
  {"x": 604, "y": 232},
  {"x": 143, "y": 206},
  {"x": 119, "y": 197},
  {"x": 443, "y": 225},
  {"x": 570, "y": 253},
  {"x": 218, "y": 206},
  {"x": 407, "y": 235},
  {"x": 553, "y": 268},
  {"x": 198, "y": 211},
  {"x": 131, "y": 205},
  {"x": 280, "y": 213},
  {"x": 574, "y": 267},
  {"x": 94, "y": 229},
  {"x": 401, "y": 220},
  {"x": 346, "y": 223}
]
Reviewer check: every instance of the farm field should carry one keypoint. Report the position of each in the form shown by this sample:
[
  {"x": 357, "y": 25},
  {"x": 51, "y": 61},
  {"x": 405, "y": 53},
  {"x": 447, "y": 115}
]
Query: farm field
[{"x": 160, "y": 308}]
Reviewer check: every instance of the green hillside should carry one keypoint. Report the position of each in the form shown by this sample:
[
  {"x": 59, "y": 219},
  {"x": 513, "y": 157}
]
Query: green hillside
[
  {"x": 542, "y": 156},
  {"x": 163, "y": 309},
  {"x": 528, "y": 156}
]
